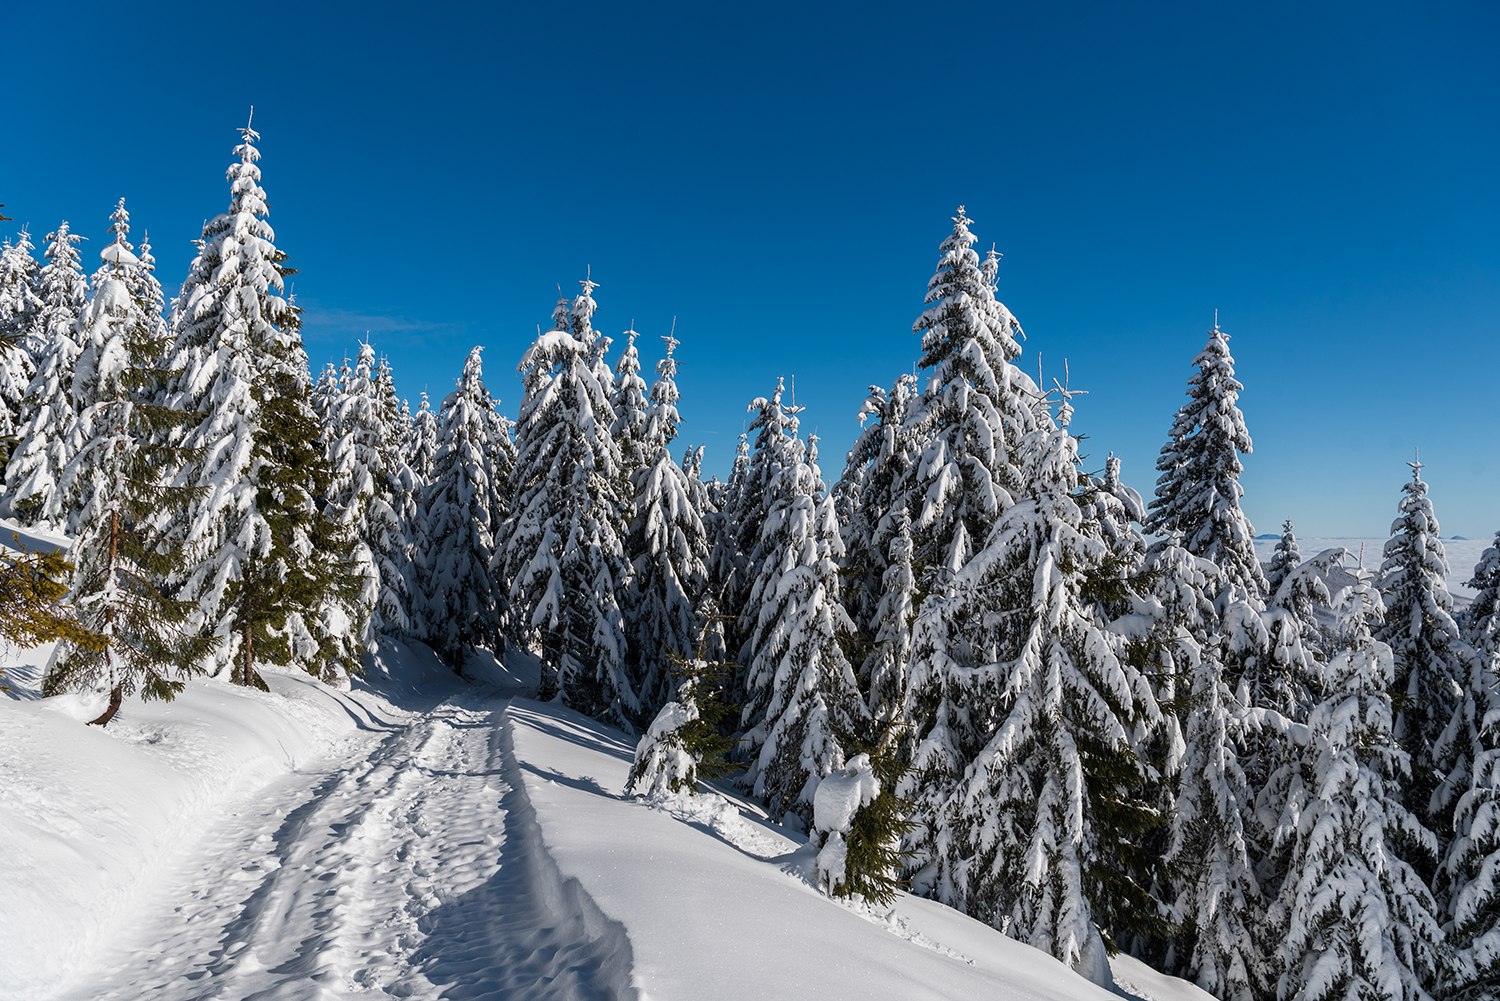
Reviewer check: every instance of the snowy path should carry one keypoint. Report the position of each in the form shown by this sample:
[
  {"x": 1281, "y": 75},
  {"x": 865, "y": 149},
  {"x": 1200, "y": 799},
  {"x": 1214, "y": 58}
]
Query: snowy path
[{"x": 410, "y": 866}]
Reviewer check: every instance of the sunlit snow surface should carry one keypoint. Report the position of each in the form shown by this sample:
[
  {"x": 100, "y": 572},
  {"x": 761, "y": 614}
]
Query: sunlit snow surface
[{"x": 422, "y": 837}]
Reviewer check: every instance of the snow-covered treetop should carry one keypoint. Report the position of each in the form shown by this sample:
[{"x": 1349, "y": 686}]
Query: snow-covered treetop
[
  {"x": 1415, "y": 563},
  {"x": 962, "y": 308},
  {"x": 661, "y": 416},
  {"x": 60, "y": 283},
  {"x": 118, "y": 253},
  {"x": 1284, "y": 559},
  {"x": 1198, "y": 493},
  {"x": 628, "y": 398}
]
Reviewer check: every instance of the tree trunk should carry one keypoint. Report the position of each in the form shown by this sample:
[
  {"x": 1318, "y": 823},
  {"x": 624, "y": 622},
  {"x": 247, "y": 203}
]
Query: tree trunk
[{"x": 116, "y": 696}]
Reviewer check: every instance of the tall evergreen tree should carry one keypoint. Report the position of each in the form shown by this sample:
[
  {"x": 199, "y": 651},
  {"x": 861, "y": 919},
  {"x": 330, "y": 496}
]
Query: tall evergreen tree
[
  {"x": 462, "y": 603},
  {"x": 1354, "y": 917},
  {"x": 20, "y": 302},
  {"x": 667, "y": 546},
  {"x": 875, "y": 476},
  {"x": 1199, "y": 491},
  {"x": 1433, "y": 663},
  {"x": 1025, "y": 774},
  {"x": 48, "y": 416},
  {"x": 1285, "y": 557},
  {"x": 800, "y": 690},
  {"x": 564, "y": 554},
  {"x": 628, "y": 401},
  {"x": 356, "y": 495},
  {"x": 271, "y": 576},
  {"x": 121, "y": 560},
  {"x": 973, "y": 413}
]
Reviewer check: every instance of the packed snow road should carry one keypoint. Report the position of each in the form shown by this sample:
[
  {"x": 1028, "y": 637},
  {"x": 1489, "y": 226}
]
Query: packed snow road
[{"x": 410, "y": 866}]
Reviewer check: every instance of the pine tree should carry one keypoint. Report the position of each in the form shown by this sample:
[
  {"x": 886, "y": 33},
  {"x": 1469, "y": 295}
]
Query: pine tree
[
  {"x": 1433, "y": 662},
  {"x": 1354, "y": 917},
  {"x": 122, "y": 561},
  {"x": 1199, "y": 491},
  {"x": 1026, "y": 712},
  {"x": 885, "y": 668},
  {"x": 564, "y": 555},
  {"x": 800, "y": 690},
  {"x": 47, "y": 411},
  {"x": 462, "y": 602},
  {"x": 666, "y": 545},
  {"x": 974, "y": 411},
  {"x": 271, "y": 576},
  {"x": 1285, "y": 557}
]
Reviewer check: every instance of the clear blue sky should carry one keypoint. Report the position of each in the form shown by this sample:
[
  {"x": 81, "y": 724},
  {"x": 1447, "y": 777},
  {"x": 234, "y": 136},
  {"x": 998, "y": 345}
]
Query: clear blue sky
[{"x": 778, "y": 177}]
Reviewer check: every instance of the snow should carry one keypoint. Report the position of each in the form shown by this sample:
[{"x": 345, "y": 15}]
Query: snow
[
  {"x": 1462, "y": 554},
  {"x": 417, "y": 836}
]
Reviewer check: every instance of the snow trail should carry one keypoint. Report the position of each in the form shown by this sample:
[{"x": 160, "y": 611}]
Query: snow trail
[{"x": 411, "y": 866}]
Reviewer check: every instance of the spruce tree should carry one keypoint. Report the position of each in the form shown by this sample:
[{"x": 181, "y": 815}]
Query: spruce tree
[
  {"x": 1285, "y": 557},
  {"x": 1199, "y": 491},
  {"x": 974, "y": 411},
  {"x": 1433, "y": 663},
  {"x": 48, "y": 416},
  {"x": 122, "y": 562},
  {"x": 1354, "y": 917},
  {"x": 564, "y": 554},
  {"x": 356, "y": 499},
  {"x": 1025, "y": 774},
  {"x": 20, "y": 303},
  {"x": 666, "y": 545},
  {"x": 462, "y": 607},
  {"x": 800, "y": 690},
  {"x": 1217, "y": 891},
  {"x": 628, "y": 401},
  {"x": 271, "y": 576},
  {"x": 874, "y": 480}
]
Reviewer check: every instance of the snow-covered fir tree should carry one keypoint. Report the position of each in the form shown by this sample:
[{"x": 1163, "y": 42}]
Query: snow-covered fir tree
[
  {"x": 48, "y": 416},
  {"x": 1469, "y": 879},
  {"x": 1027, "y": 715},
  {"x": 271, "y": 575},
  {"x": 873, "y": 483},
  {"x": 1198, "y": 493},
  {"x": 1433, "y": 663},
  {"x": 628, "y": 401},
  {"x": 20, "y": 303},
  {"x": 1353, "y": 916},
  {"x": 777, "y": 447},
  {"x": 885, "y": 668},
  {"x": 974, "y": 411},
  {"x": 358, "y": 499},
  {"x": 564, "y": 549},
  {"x": 122, "y": 562},
  {"x": 1283, "y": 558},
  {"x": 666, "y": 545},
  {"x": 800, "y": 690},
  {"x": 461, "y": 605},
  {"x": 726, "y": 561},
  {"x": 1218, "y": 895}
]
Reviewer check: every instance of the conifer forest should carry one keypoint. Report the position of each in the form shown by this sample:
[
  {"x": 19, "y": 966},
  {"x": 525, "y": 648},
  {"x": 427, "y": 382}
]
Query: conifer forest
[{"x": 965, "y": 662}]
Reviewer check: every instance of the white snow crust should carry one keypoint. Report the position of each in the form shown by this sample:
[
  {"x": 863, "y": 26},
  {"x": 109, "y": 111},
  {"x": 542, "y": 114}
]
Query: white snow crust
[{"x": 421, "y": 837}]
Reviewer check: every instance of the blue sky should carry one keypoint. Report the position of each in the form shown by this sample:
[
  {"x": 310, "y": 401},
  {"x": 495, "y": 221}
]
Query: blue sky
[{"x": 778, "y": 178}]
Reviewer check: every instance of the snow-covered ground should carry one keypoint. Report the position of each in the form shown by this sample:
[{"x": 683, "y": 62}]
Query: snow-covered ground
[{"x": 421, "y": 837}]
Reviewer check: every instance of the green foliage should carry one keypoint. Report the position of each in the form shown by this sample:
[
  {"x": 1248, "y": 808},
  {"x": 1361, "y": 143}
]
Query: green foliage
[
  {"x": 873, "y": 844},
  {"x": 123, "y": 558},
  {"x": 31, "y": 591}
]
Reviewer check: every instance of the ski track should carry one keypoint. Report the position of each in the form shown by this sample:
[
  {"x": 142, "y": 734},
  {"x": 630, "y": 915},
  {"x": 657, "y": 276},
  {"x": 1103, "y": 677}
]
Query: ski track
[{"x": 411, "y": 866}]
